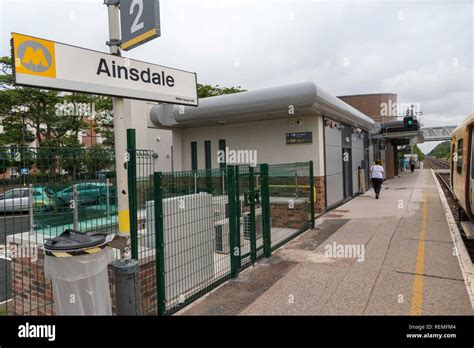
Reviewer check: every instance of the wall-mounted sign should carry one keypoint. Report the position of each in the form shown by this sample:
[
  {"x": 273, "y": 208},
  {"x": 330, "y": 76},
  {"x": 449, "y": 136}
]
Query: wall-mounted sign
[
  {"x": 24, "y": 171},
  {"x": 400, "y": 142},
  {"x": 299, "y": 138},
  {"x": 48, "y": 64},
  {"x": 139, "y": 22}
]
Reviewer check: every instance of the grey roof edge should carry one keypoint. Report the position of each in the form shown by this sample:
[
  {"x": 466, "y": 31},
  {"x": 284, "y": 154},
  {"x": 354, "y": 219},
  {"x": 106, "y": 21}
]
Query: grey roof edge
[{"x": 303, "y": 99}]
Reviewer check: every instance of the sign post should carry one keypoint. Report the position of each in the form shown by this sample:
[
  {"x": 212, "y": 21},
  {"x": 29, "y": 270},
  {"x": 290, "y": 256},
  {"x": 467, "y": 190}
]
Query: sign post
[
  {"x": 121, "y": 154},
  {"x": 125, "y": 269}
]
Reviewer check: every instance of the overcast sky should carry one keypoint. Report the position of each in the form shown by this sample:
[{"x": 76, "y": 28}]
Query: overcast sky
[{"x": 420, "y": 50}]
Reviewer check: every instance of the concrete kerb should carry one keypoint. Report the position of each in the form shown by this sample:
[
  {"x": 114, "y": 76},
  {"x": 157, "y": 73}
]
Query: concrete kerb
[{"x": 467, "y": 269}]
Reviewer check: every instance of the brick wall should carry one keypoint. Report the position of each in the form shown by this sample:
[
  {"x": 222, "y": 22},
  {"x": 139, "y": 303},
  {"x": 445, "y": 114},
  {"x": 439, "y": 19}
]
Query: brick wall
[
  {"x": 320, "y": 205},
  {"x": 32, "y": 294},
  {"x": 284, "y": 216}
]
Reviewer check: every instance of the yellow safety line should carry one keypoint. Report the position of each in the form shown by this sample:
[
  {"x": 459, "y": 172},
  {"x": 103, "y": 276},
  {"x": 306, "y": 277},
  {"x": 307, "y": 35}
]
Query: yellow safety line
[
  {"x": 417, "y": 289},
  {"x": 139, "y": 38}
]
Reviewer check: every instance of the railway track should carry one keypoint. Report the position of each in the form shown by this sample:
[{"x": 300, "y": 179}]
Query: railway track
[
  {"x": 458, "y": 213},
  {"x": 437, "y": 163}
]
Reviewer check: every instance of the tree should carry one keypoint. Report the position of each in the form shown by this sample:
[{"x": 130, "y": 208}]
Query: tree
[
  {"x": 98, "y": 158},
  {"x": 4, "y": 160},
  {"x": 416, "y": 150},
  {"x": 205, "y": 91},
  {"x": 105, "y": 120},
  {"x": 55, "y": 117},
  {"x": 442, "y": 150}
]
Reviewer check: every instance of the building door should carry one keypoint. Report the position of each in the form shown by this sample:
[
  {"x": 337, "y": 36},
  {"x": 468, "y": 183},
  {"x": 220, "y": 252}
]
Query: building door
[{"x": 347, "y": 171}]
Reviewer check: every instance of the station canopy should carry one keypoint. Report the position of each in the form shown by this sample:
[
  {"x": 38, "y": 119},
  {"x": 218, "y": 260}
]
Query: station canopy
[{"x": 299, "y": 99}]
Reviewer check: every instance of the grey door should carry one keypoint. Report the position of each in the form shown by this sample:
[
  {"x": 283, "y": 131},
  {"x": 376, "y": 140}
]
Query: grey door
[{"x": 347, "y": 171}]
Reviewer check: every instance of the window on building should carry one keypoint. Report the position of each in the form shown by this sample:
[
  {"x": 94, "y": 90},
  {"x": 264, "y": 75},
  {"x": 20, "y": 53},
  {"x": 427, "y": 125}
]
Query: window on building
[
  {"x": 194, "y": 156},
  {"x": 222, "y": 148},
  {"x": 459, "y": 159},
  {"x": 207, "y": 154}
]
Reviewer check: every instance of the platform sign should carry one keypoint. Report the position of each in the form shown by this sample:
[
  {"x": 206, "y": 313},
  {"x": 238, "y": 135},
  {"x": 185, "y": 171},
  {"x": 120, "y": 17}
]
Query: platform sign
[
  {"x": 48, "y": 64},
  {"x": 299, "y": 138},
  {"x": 139, "y": 22}
]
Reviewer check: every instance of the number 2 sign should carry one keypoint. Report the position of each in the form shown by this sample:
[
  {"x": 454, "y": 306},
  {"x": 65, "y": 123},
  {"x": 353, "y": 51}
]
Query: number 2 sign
[{"x": 140, "y": 22}]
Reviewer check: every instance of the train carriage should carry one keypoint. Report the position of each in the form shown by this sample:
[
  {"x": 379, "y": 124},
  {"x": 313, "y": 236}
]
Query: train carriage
[{"x": 462, "y": 165}]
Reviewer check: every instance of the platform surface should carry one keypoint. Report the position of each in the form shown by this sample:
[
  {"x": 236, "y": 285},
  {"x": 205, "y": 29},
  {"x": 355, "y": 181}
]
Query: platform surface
[{"x": 391, "y": 256}]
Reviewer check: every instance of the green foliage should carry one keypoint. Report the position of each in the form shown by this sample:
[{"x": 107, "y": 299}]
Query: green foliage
[
  {"x": 21, "y": 157},
  {"x": 98, "y": 158},
  {"x": 56, "y": 118},
  {"x": 205, "y": 91},
  {"x": 4, "y": 160},
  {"x": 442, "y": 150},
  {"x": 421, "y": 155}
]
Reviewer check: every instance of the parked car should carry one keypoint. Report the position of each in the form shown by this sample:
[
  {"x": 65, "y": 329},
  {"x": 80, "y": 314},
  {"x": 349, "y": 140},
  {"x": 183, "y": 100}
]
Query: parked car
[
  {"x": 87, "y": 193},
  {"x": 18, "y": 200}
]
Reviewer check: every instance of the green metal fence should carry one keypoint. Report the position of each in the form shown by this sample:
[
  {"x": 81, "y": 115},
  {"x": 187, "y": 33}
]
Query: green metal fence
[
  {"x": 190, "y": 230},
  {"x": 216, "y": 222},
  {"x": 192, "y": 237},
  {"x": 44, "y": 191}
]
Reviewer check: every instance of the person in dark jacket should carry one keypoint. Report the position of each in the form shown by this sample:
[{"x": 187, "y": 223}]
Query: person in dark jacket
[{"x": 412, "y": 163}]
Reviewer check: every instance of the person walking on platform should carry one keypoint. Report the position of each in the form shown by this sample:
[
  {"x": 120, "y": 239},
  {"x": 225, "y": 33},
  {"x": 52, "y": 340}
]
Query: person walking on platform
[
  {"x": 376, "y": 176},
  {"x": 412, "y": 163}
]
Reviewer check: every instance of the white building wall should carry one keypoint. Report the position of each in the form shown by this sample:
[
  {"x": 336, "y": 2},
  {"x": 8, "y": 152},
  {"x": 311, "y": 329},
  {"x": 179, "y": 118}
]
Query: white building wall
[
  {"x": 267, "y": 137},
  {"x": 148, "y": 138}
]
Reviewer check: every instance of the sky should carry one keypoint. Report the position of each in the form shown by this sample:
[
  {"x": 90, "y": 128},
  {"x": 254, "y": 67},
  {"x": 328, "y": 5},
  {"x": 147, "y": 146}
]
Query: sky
[{"x": 420, "y": 50}]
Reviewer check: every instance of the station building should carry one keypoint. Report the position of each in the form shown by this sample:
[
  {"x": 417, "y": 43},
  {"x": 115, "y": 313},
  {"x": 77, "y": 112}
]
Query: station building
[{"x": 292, "y": 123}]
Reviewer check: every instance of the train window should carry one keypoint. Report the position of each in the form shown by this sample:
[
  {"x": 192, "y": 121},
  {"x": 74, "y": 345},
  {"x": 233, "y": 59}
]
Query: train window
[{"x": 459, "y": 159}]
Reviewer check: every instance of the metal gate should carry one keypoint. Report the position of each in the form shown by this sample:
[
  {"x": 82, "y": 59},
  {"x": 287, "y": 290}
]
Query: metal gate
[{"x": 249, "y": 208}]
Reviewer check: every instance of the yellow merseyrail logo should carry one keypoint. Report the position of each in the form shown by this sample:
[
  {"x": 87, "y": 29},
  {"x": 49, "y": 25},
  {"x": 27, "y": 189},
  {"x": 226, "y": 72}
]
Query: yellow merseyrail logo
[{"x": 34, "y": 56}]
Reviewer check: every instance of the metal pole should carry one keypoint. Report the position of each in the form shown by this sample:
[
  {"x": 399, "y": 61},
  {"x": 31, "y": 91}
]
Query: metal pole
[
  {"x": 267, "y": 242},
  {"x": 127, "y": 287},
  {"x": 312, "y": 192},
  {"x": 30, "y": 208},
  {"x": 121, "y": 154},
  {"x": 234, "y": 223},
  {"x": 253, "y": 237},
  {"x": 75, "y": 215},
  {"x": 296, "y": 183},
  {"x": 126, "y": 270},
  {"x": 132, "y": 191},
  {"x": 195, "y": 182},
  {"x": 159, "y": 243},
  {"x": 107, "y": 196}
]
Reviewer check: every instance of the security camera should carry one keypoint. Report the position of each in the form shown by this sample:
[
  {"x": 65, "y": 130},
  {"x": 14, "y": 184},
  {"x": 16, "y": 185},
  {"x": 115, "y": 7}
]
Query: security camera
[
  {"x": 158, "y": 139},
  {"x": 298, "y": 122}
]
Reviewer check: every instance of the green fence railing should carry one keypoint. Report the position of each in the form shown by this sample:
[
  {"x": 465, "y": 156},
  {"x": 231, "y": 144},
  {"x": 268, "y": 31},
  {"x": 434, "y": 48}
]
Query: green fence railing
[{"x": 43, "y": 192}]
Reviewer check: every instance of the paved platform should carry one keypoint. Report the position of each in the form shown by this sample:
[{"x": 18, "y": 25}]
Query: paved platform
[{"x": 392, "y": 256}]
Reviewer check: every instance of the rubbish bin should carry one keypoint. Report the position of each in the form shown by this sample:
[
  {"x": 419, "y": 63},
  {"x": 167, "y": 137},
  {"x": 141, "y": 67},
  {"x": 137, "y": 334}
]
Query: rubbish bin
[{"x": 77, "y": 265}]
